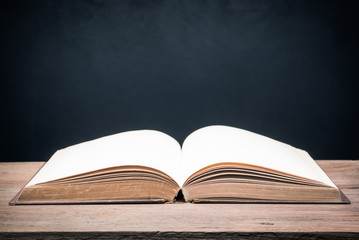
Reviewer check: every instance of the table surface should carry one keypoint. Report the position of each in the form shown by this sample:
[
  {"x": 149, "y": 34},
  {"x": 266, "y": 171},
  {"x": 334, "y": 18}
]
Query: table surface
[{"x": 179, "y": 218}]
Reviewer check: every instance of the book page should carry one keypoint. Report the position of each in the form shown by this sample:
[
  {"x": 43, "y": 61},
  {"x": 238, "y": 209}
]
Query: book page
[
  {"x": 215, "y": 144},
  {"x": 142, "y": 147}
]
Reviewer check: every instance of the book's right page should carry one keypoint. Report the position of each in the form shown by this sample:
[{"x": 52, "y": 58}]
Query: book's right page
[{"x": 215, "y": 144}]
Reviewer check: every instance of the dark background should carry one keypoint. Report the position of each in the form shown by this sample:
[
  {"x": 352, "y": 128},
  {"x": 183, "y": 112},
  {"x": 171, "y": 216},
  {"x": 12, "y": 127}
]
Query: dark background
[{"x": 73, "y": 71}]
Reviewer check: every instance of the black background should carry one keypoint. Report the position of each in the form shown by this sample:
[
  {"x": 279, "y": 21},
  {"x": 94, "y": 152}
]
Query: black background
[{"x": 73, "y": 71}]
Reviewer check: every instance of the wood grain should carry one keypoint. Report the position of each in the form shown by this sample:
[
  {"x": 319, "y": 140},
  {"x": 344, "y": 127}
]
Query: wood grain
[{"x": 182, "y": 220}]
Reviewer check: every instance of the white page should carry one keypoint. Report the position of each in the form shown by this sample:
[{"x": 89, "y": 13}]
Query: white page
[
  {"x": 214, "y": 144},
  {"x": 142, "y": 147}
]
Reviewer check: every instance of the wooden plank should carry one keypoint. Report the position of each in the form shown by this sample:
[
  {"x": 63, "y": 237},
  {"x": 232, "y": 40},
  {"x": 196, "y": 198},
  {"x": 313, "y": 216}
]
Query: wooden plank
[
  {"x": 180, "y": 235},
  {"x": 182, "y": 218}
]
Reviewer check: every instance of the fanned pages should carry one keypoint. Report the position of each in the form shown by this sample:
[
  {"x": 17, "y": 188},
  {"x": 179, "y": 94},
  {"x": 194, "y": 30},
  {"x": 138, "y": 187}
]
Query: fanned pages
[
  {"x": 142, "y": 147},
  {"x": 216, "y": 164}
]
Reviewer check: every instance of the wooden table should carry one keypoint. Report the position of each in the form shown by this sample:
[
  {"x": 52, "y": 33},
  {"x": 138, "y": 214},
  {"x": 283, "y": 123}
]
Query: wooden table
[{"x": 181, "y": 220}]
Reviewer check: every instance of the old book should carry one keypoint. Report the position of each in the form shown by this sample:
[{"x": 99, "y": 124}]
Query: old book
[{"x": 215, "y": 164}]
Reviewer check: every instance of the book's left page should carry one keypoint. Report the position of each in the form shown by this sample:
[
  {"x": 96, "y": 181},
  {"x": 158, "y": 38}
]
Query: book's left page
[{"x": 148, "y": 148}]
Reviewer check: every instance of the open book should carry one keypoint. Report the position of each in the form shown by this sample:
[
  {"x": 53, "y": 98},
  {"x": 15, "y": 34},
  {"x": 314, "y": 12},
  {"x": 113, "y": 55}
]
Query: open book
[{"x": 215, "y": 164}]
